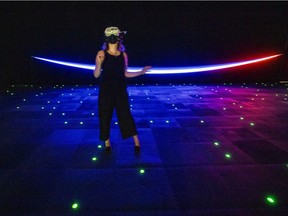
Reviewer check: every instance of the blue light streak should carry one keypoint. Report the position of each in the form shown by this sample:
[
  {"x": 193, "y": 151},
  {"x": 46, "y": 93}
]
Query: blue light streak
[{"x": 167, "y": 70}]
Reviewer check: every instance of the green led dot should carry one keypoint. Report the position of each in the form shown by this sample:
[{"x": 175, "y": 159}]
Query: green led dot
[
  {"x": 271, "y": 200},
  {"x": 216, "y": 143},
  {"x": 141, "y": 171},
  {"x": 252, "y": 124},
  {"x": 75, "y": 206},
  {"x": 99, "y": 146},
  {"x": 94, "y": 158},
  {"x": 227, "y": 155}
]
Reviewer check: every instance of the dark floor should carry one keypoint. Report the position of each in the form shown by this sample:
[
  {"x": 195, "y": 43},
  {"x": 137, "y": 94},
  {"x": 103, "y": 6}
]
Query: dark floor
[{"x": 49, "y": 137}]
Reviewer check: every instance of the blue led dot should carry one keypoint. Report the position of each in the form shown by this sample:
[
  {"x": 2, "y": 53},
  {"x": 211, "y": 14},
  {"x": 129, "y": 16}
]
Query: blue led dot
[
  {"x": 81, "y": 123},
  {"x": 167, "y": 121},
  {"x": 151, "y": 121},
  {"x": 65, "y": 122}
]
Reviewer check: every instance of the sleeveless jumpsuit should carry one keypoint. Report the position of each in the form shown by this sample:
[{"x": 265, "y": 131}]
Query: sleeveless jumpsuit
[{"x": 113, "y": 95}]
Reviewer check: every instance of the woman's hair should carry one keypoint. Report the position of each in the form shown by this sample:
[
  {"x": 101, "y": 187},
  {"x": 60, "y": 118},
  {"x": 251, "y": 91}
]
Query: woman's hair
[{"x": 120, "y": 47}]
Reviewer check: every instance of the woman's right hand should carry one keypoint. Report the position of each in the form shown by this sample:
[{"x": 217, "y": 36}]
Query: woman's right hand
[{"x": 100, "y": 57}]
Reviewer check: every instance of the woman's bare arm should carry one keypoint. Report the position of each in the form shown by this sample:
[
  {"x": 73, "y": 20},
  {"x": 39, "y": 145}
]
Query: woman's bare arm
[
  {"x": 134, "y": 74},
  {"x": 98, "y": 63}
]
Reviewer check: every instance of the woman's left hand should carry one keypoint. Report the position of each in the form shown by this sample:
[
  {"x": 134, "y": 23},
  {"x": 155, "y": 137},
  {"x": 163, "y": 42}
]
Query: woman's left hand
[{"x": 145, "y": 69}]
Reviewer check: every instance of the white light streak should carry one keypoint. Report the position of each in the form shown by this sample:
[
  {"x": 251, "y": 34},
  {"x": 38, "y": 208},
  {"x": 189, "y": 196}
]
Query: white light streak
[{"x": 167, "y": 70}]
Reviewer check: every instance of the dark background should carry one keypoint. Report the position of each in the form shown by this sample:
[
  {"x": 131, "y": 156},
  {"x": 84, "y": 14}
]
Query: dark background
[{"x": 158, "y": 34}]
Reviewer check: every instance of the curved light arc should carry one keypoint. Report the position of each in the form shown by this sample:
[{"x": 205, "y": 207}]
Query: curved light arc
[{"x": 167, "y": 70}]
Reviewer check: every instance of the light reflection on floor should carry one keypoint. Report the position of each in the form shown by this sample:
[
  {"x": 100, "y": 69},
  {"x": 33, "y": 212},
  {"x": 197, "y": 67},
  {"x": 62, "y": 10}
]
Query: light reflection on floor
[{"x": 206, "y": 150}]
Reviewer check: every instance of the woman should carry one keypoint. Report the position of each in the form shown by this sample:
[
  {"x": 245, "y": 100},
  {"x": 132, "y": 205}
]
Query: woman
[{"x": 111, "y": 67}]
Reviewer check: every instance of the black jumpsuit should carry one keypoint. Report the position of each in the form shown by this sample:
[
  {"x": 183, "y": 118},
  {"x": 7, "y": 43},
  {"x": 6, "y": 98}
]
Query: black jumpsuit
[{"x": 113, "y": 95}]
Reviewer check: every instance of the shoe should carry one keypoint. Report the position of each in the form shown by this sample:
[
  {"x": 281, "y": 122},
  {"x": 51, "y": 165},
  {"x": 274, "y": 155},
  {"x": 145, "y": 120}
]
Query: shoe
[
  {"x": 137, "y": 149},
  {"x": 108, "y": 149}
]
